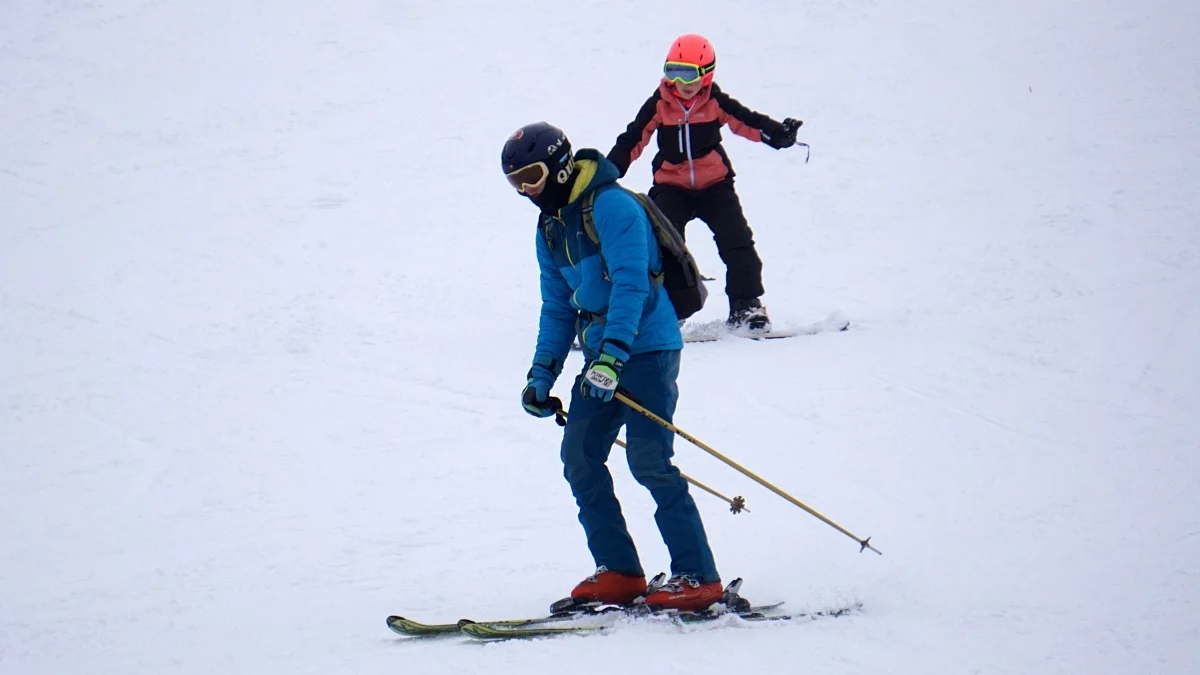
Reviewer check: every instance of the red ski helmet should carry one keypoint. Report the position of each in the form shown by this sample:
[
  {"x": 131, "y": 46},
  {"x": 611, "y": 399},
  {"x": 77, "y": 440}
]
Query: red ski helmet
[{"x": 694, "y": 50}]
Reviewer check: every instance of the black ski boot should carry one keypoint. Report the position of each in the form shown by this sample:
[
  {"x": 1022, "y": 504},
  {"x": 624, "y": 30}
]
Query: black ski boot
[{"x": 748, "y": 315}]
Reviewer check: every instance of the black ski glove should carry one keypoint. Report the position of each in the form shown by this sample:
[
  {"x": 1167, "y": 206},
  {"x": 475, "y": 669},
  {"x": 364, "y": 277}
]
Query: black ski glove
[
  {"x": 535, "y": 397},
  {"x": 783, "y": 136},
  {"x": 538, "y": 402}
]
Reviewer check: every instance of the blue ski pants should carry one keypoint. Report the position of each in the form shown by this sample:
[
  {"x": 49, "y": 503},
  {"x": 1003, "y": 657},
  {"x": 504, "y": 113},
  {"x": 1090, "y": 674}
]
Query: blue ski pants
[{"x": 592, "y": 428}]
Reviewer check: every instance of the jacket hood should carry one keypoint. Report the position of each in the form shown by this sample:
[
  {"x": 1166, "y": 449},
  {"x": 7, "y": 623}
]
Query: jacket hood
[{"x": 594, "y": 172}]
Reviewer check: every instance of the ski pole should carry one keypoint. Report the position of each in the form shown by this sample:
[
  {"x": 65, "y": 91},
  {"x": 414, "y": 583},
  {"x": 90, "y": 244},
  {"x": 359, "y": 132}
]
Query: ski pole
[
  {"x": 623, "y": 396},
  {"x": 736, "y": 505}
]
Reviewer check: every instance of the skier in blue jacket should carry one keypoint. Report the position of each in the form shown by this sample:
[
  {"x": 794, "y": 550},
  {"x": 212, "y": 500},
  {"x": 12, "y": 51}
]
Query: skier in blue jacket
[{"x": 605, "y": 296}]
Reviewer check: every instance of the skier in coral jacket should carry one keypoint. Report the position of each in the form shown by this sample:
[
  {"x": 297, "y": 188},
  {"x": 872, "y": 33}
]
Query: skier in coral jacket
[{"x": 693, "y": 177}]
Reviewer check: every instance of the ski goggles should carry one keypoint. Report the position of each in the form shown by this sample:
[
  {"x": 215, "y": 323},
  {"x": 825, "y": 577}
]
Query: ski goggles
[
  {"x": 529, "y": 177},
  {"x": 686, "y": 73}
]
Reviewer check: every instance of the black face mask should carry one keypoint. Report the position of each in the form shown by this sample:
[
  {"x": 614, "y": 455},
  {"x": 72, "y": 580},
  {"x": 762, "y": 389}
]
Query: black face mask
[{"x": 555, "y": 195}]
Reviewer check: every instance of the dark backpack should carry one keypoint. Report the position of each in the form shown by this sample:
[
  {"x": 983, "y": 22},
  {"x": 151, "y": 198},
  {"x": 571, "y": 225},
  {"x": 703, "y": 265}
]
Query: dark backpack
[{"x": 680, "y": 275}]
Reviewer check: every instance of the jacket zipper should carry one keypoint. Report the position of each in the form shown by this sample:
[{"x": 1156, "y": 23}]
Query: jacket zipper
[
  {"x": 685, "y": 143},
  {"x": 565, "y": 239}
]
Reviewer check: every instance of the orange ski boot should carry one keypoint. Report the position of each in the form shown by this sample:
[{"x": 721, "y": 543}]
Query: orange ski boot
[
  {"x": 609, "y": 587},
  {"x": 685, "y": 594}
]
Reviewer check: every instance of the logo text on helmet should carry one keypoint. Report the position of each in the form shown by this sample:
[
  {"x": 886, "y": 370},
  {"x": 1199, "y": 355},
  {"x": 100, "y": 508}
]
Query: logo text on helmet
[{"x": 565, "y": 172}]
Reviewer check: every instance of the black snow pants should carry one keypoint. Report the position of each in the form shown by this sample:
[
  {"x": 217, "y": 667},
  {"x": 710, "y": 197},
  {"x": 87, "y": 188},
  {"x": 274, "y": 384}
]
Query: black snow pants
[{"x": 718, "y": 206}]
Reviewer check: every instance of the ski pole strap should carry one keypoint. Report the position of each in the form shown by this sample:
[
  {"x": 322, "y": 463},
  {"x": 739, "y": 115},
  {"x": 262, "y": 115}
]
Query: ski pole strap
[{"x": 807, "y": 150}]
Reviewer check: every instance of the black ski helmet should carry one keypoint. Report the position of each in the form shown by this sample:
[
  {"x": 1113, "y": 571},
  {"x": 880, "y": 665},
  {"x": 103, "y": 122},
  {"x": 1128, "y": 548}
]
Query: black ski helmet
[{"x": 545, "y": 143}]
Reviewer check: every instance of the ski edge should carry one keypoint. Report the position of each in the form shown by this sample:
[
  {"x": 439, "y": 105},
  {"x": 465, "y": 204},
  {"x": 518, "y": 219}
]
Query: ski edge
[
  {"x": 493, "y": 632},
  {"x": 410, "y": 628}
]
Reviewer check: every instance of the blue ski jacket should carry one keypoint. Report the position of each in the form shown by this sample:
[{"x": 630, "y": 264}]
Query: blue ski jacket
[{"x": 603, "y": 292}]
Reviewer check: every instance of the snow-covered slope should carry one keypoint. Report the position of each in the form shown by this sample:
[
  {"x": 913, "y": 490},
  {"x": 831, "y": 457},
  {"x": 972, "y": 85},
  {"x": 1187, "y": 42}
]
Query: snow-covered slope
[{"x": 266, "y": 307}]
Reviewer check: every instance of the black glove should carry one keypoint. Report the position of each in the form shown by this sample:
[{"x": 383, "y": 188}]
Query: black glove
[
  {"x": 535, "y": 397},
  {"x": 782, "y": 136},
  {"x": 537, "y": 402}
]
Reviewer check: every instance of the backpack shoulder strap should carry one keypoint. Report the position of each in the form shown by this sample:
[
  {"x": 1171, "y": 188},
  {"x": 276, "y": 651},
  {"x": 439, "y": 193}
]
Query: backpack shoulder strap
[
  {"x": 588, "y": 205},
  {"x": 589, "y": 220},
  {"x": 545, "y": 225}
]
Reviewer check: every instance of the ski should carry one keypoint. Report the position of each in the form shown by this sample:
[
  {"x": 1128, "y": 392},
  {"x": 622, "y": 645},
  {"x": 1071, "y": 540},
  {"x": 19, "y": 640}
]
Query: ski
[
  {"x": 759, "y": 614},
  {"x": 569, "y": 609},
  {"x": 491, "y": 632},
  {"x": 410, "y": 628},
  {"x": 714, "y": 331},
  {"x": 495, "y": 633},
  {"x": 562, "y": 610}
]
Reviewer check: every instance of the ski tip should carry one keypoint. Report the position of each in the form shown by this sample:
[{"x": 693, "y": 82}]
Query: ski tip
[{"x": 410, "y": 628}]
